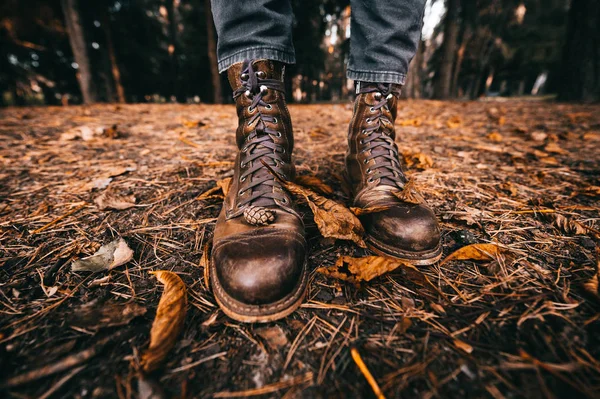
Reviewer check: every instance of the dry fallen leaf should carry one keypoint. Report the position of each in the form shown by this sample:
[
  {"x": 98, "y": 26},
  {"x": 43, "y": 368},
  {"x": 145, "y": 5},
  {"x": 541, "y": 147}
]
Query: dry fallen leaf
[
  {"x": 333, "y": 219},
  {"x": 362, "y": 269},
  {"x": 366, "y": 211},
  {"x": 109, "y": 256},
  {"x": 474, "y": 252},
  {"x": 409, "y": 194},
  {"x": 314, "y": 183},
  {"x": 109, "y": 200},
  {"x": 554, "y": 148},
  {"x": 168, "y": 321},
  {"x": 454, "y": 122},
  {"x": 495, "y": 136},
  {"x": 417, "y": 160},
  {"x": 410, "y": 122},
  {"x": 224, "y": 185},
  {"x": 568, "y": 226}
]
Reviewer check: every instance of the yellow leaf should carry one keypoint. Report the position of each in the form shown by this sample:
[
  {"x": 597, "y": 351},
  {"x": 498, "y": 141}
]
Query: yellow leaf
[
  {"x": 314, "y": 183},
  {"x": 554, "y": 148},
  {"x": 474, "y": 252},
  {"x": 168, "y": 321},
  {"x": 410, "y": 122}
]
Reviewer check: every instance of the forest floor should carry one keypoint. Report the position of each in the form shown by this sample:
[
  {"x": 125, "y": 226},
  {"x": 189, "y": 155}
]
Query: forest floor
[{"x": 524, "y": 323}]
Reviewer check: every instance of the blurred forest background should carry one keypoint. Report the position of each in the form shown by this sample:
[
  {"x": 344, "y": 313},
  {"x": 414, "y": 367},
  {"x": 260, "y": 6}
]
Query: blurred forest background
[{"x": 74, "y": 51}]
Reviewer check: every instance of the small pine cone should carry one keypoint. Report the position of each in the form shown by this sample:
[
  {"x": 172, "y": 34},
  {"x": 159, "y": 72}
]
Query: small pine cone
[{"x": 259, "y": 216}]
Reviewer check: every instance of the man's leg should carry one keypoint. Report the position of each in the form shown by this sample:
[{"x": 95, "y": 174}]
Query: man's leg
[
  {"x": 385, "y": 34},
  {"x": 385, "y": 37},
  {"x": 253, "y": 29},
  {"x": 258, "y": 260}
]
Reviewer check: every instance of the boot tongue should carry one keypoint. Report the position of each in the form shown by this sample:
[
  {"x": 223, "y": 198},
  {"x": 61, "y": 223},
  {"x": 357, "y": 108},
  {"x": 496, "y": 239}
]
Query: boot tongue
[{"x": 272, "y": 70}]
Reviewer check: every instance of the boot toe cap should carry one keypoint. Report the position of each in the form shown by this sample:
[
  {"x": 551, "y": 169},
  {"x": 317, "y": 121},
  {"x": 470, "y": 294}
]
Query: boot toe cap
[
  {"x": 409, "y": 228},
  {"x": 260, "y": 270}
]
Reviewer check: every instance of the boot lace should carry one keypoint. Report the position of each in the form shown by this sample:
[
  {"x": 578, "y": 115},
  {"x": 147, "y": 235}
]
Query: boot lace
[
  {"x": 259, "y": 147},
  {"x": 378, "y": 138}
]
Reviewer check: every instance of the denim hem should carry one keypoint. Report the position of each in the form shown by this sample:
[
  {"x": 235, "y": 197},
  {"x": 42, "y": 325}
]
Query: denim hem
[
  {"x": 377, "y": 76},
  {"x": 257, "y": 53}
]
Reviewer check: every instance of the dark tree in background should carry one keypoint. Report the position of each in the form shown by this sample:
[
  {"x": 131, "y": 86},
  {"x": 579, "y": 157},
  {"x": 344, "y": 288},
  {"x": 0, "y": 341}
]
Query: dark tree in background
[
  {"x": 443, "y": 83},
  {"x": 77, "y": 51},
  {"x": 580, "y": 75},
  {"x": 79, "y": 46}
]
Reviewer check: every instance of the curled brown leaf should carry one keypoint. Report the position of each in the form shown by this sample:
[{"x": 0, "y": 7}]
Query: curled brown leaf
[
  {"x": 168, "y": 321},
  {"x": 366, "y": 211},
  {"x": 474, "y": 252},
  {"x": 409, "y": 194},
  {"x": 314, "y": 183}
]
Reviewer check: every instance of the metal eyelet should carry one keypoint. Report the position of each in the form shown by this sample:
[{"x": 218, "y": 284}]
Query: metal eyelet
[
  {"x": 245, "y": 77},
  {"x": 366, "y": 161},
  {"x": 284, "y": 201},
  {"x": 370, "y": 180},
  {"x": 242, "y": 165},
  {"x": 275, "y": 120},
  {"x": 369, "y": 171},
  {"x": 264, "y": 89},
  {"x": 242, "y": 179},
  {"x": 377, "y": 95},
  {"x": 362, "y": 142},
  {"x": 244, "y": 148},
  {"x": 241, "y": 192},
  {"x": 278, "y": 134},
  {"x": 389, "y": 96},
  {"x": 247, "y": 93},
  {"x": 261, "y": 74},
  {"x": 269, "y": 107},
  {"x": 368, "y": 120},
  {"x": 283, "y": 150},
  {"x": 251, "y": 110},
  {"x": 372, "y": 110}
]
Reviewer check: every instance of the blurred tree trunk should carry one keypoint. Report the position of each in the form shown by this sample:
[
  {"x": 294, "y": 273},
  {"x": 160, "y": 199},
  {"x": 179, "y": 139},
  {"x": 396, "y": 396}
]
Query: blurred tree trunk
[
  {"x": 413, "y": 86},
  {"x": 443, "y": 82},
  {"x": 173, "y": 50},
  {"x": 80, "y": 51},
  {"x": 114, "y": 65},
  {"x": 581, "y": 57},
  {"x": 212, "y": 54}
]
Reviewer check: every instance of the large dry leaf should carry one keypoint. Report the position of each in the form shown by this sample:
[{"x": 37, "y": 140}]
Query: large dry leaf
[
  {"x": 109, "y": 256},
  {"x": 474, "y": 252},
  {"x": 409, "y": 194},
  {"x": 355, "y": 270},
  {"x": 168, "y": 322},
  {"x": 314, "y": 183},
  {"x": 119, "y": 202},
  {"x": 333, "y": 219}
]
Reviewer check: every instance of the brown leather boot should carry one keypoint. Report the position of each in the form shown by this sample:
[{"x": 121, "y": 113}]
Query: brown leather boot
[
  {"x": 258, "y": 261},
  {"x": 405, "y": 230}
]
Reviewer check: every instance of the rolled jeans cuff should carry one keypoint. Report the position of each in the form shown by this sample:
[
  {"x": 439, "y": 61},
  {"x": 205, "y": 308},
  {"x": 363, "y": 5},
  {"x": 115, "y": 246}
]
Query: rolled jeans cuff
[
  {"x": 257, "y": 53},
  {"x": 377, "y": 76}
]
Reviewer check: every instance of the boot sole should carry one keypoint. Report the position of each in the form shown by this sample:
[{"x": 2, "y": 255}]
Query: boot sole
[
  {"x": 259, "y": 313},
  {"x": 423, "y": 258}
]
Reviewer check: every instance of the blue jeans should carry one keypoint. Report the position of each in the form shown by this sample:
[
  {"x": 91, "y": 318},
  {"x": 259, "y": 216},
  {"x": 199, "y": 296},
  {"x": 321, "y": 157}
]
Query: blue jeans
[{"x": 384, "y": 35}]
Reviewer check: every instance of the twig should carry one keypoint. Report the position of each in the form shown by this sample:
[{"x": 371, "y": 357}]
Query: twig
[{"x": 365, "y": 371}]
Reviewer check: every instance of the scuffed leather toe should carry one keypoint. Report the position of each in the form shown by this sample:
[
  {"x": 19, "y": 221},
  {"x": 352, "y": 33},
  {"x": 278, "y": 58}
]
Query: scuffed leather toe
[
  {"x": 412, "y": 228},
  {"x": 260, "y": 269}
]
